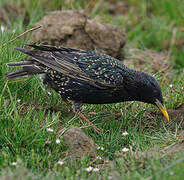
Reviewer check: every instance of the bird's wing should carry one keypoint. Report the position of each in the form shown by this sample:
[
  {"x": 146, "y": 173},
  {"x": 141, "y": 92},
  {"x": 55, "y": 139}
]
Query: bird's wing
[
  {"x": 105, "y": 69},
  {"x": 97, "y": 69}
]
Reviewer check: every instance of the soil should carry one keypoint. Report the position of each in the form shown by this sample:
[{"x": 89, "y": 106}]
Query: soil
[
  {"x": 150, "y": 61},
  {"x": 176, "y": 117}
]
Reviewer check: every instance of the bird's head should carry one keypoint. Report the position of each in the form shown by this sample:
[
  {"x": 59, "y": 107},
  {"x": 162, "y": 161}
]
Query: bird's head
[{"x": 150, "y": 92}]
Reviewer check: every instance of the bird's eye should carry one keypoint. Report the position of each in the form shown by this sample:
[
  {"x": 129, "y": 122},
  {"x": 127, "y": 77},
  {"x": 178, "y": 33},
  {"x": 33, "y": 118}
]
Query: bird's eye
[{"x": 155, "y": 92}]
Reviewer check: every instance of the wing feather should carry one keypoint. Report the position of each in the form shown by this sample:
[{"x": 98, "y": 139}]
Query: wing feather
[{"x": 68, "y": 62}]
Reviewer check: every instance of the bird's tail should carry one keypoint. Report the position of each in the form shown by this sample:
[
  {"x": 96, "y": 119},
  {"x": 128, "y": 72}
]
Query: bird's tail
[{"x": 29, "y": 67}]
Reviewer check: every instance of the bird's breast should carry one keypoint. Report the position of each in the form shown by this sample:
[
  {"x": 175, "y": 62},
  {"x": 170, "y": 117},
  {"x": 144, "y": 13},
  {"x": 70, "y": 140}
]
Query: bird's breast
[{"x": 82, "y": 91}]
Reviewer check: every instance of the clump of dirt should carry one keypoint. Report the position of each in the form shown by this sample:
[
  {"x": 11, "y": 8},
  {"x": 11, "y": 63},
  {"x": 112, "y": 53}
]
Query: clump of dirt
[
  {"x": 79, "y": 143},
  {"x": 75, "y": 29},
  {"x": 148, "y": 60}
]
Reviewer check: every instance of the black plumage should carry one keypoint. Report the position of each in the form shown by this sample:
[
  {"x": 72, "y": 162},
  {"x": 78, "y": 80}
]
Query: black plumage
[{"x": 88, "y": 76}]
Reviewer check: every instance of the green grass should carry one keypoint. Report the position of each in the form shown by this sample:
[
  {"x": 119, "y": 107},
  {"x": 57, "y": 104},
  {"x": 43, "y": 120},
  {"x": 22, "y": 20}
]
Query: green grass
[{"x": 23, "y": 125}]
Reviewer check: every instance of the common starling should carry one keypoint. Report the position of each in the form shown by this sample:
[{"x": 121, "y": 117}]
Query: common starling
[{"x": 89, "y": 77}]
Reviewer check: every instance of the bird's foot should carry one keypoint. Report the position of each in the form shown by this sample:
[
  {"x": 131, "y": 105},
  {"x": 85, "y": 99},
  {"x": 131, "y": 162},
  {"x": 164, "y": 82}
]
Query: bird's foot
[
  {"x": 81, "y": 116},
  {"x": 76, "y": 107}
]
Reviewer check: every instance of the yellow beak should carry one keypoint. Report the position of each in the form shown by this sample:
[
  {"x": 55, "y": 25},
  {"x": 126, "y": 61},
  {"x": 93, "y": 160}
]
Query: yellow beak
[{"x": 162, "y": 109}]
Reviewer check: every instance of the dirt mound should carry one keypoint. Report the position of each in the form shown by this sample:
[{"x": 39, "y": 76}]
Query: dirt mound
[
  {"x": 148, "y": 60},
  {"x": 79, "y": 143},
  {"x": 75, "y": 29}
]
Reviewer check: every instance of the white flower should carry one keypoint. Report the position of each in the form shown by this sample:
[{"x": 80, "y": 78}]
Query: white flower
[
  {"x": 171, "y": 173},
  {"x": 58, "y": 141},
  {"x": 170, "y": 85},
  {"x": 125, "y": 149},
  {"x": 96, "y": 169},
  {"x": 18, "y": 100},
  {"x": 14, "y": 163},
  {"x": 125, "y": 133},
  {"x": 2, "y": 28},
  {"x": 102, "y": 148},
  {"x": 49, "y": 93},
  {"x": 98, "y": 157},
  {"x": 89, "y": 169},
  {"x": 60, "y": 162},
  {"x": 50, "y": 130}
]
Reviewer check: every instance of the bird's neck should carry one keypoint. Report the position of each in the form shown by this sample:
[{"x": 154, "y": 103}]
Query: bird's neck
[{"x": 133, "y": 82}]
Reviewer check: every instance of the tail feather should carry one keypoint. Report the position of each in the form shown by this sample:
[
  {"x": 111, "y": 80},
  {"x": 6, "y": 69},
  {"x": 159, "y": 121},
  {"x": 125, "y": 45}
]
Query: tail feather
[
  {"x": 12, "y": 75},
  {"x": 59, "y": 59},
  {"x": 21, "y": 63},
  {"x": 29, "y": 67}
]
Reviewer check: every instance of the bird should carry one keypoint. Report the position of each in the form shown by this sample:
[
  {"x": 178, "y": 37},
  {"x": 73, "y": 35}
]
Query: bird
[{"x": 87, "y": 77}]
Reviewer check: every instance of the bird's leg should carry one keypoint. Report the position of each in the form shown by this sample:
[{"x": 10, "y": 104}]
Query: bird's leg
[
  {"x": 76, "y": 108},
  {"x": 81, "y": 116}
]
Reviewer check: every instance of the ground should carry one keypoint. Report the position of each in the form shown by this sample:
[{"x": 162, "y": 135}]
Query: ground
[{"x": 33, "y": 120}]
